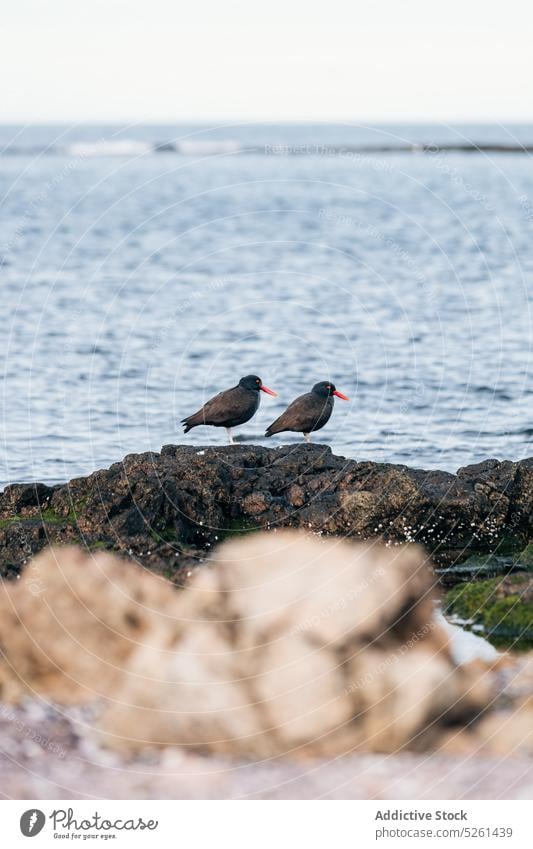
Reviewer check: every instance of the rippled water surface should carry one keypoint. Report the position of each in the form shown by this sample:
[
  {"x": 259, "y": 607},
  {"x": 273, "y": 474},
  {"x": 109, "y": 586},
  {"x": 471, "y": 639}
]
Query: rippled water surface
[{"x": 136, "y": 283}]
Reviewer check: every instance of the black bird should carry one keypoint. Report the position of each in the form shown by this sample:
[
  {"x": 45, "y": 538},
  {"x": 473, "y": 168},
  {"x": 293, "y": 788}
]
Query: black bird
[
  {"x": 231, "y": 407},
  {"x": 309, "y": 412}
]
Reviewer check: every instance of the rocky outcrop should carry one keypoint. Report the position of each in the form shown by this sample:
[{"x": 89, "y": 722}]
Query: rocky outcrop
[
  {"x": 284, "y": 645},
  {"x": 167, "y": 510}
]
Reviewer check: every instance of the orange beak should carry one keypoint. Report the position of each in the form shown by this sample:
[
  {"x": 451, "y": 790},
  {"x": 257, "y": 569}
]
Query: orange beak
[
  {"x": 340, "y": 395},
  {"x": 267, "y": 390}
]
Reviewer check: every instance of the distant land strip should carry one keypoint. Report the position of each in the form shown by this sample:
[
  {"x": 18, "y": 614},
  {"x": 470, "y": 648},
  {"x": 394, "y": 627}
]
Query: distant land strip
[{"x": 223, "y": 148}]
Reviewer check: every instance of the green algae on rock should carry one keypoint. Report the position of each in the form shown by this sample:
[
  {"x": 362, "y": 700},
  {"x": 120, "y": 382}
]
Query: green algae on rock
[{"x": 502, "y": 606}]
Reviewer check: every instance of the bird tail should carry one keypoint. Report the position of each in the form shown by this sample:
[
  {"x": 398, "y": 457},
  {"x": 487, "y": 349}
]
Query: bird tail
[
  {"x": 273, "y": 428},
  {"x": 192, "y": 421}
]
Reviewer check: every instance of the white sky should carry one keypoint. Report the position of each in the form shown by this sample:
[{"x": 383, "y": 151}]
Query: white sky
[{"x": 294, "y": 60}]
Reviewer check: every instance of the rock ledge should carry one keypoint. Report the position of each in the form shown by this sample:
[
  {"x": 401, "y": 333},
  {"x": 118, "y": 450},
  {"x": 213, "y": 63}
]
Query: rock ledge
[{"x": 167, "y": 509}]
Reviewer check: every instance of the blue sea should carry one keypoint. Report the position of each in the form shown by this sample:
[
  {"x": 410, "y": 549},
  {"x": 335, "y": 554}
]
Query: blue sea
[{"x": 144, "y": 268}]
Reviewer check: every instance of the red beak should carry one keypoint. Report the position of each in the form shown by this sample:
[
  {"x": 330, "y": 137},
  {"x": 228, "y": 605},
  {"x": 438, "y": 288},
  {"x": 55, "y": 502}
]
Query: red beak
[
  {"x": 267, "y": 390},
  {"x": 340, "y": 395}
]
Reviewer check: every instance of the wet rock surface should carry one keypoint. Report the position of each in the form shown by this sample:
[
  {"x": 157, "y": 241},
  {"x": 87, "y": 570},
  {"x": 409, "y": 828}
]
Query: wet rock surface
[{"x": 166, "y": 510}]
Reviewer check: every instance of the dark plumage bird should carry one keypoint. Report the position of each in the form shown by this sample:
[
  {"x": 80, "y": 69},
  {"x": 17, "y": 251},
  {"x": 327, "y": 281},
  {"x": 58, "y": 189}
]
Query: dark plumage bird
[
  {"x": 309, "y": 412},
  {"x": 231, "y": 407}
]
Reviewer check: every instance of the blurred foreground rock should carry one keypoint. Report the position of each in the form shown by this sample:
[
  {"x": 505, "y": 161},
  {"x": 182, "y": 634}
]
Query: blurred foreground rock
[
  {"x": 285, "y": 645},
  {"x": 303, "y": 647},
  {"x": 284, "y": 653},
  {"x": 507, "y": 729}
]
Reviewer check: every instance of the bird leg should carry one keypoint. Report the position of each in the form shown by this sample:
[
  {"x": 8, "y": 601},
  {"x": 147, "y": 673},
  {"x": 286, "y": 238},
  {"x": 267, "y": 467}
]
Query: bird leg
[
  {"x": 230, "y": 437},
  {"x": 307, "y": 437}
]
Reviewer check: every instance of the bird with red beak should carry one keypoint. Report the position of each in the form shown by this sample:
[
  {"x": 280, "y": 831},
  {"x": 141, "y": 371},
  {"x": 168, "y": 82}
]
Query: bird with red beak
[
  {"x": 309, "y": 412},
  {"x": 231, "y": 407}
]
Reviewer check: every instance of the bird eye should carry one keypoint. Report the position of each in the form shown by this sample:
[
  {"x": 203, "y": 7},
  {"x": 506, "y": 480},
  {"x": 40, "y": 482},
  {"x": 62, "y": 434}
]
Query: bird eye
[{"x": 258, "y": 381}]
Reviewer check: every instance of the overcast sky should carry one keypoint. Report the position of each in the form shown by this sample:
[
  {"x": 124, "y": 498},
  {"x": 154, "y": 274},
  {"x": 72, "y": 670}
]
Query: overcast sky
[{"x": 217, "y": 60}]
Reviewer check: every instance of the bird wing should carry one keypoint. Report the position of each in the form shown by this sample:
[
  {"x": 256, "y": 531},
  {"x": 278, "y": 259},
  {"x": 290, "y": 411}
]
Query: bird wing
[
  {"x": 300, "y": 415},
  {"x": 214, "y": 411}
]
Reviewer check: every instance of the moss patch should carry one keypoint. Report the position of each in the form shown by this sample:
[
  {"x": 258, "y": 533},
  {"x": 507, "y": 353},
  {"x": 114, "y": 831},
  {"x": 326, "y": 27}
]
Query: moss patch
[
  {"x": 237, "y": 527},
  {"x": 45, "y": 517},
  {"x": 50, "y": 517},
  {"x": 100, "y": 545},
  {"x": 5, "y": 523},
  {"x": 166, "y": 534}
]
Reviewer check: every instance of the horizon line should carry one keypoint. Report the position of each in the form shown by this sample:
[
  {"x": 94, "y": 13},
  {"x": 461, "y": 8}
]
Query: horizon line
[{"x": 228, "y": 122}]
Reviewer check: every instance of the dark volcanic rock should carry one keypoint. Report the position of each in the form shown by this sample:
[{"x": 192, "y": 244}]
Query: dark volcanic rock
[{"x": 166, "y": 510}]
